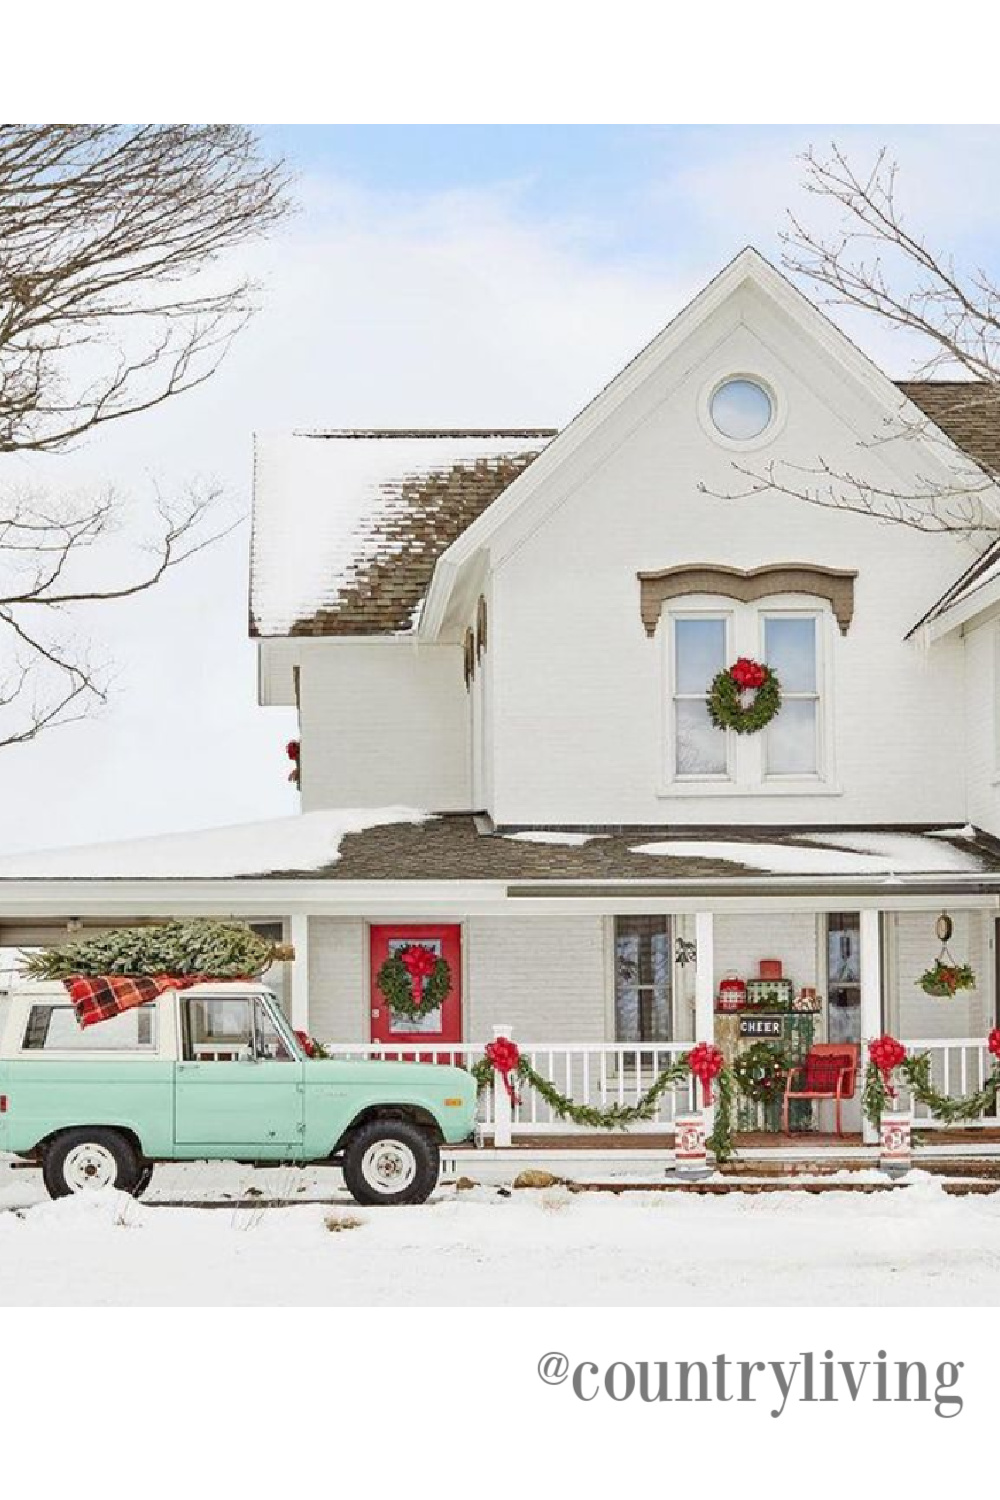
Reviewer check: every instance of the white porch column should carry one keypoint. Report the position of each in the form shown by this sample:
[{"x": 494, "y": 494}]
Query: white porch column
[
  {"x": 704, "y": 991},
  {"x": 502, "y": 1116},
  {"x": 871, "y": 999},
  {"x": 298, "y": 934}
]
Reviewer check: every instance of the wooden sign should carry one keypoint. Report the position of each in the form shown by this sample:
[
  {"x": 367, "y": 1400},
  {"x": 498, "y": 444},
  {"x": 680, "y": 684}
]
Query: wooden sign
[{"x": 760, "y": 1026}]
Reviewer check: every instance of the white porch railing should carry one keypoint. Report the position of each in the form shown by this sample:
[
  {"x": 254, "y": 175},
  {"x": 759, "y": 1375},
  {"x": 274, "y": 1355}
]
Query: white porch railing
[
  {"x": 597, "y": 1073},
  {"x": 959, "y": 1065}
]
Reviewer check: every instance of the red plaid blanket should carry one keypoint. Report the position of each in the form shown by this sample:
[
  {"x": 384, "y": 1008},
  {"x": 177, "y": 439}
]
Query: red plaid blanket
[{"x": 99, "y": 997}]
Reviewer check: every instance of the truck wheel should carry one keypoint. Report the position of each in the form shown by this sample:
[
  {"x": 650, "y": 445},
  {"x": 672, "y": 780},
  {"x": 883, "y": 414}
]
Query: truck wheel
[
  {"x": 82, "y": 1161},
  {"x": 391, "y": 1161}
]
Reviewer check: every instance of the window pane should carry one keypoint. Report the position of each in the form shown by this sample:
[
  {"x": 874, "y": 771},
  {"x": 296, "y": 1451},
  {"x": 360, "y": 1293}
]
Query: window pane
[
  {"x": 701, "y": 652},
  {"x": 790, "y": 651},
  {"x": 791, "y": 739},
  {"x": 700, "y": 748},
  {"x": 642, "y": 979},
  {"x": 55, "y": 1028},
  {"x": 270, "y": 1042},
  {"x": 217, "y": 1030}
]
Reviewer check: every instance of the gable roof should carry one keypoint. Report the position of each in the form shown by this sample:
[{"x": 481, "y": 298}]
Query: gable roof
[
  {"x": 353, "y": 530},
  {"x": 347, "y": 526}
]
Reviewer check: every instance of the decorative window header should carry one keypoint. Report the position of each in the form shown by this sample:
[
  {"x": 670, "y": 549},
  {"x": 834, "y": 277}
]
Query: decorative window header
[{"x": 834, "y": 584}]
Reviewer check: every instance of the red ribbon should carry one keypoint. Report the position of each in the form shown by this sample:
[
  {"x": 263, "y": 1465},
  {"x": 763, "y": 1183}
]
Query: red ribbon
[
  {"x": 307, "y": 1044},
  {"x": 505, "y": 1055},
  {"x": 993, "y": 1042},
  {"x": 748, "y": 674},
  {"x": 705, "y": 1062},
  {"x": 420, "y": 963},
  {"x": 886, "y": 1053}
]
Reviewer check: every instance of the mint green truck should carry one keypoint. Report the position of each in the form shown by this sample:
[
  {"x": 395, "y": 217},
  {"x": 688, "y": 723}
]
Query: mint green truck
[{"x": 214, "y": 1071}]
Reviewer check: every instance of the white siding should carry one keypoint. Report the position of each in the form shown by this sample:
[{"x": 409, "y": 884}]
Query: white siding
[
  {"x": 577, "y": 686},
  {"x": 982, "y": 765},
  {"x": 742, "y": 941},
  {"x": 384, "y": 723}
]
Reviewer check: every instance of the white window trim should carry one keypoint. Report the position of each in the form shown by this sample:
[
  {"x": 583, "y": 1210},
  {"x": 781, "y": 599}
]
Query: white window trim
[{"x": 745, "y": 753}]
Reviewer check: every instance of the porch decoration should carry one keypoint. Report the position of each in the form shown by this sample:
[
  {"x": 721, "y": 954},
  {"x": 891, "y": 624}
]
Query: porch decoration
[
  {"x": 886, "y": 1054},
  {"x": 728, "y": 707},
  {"x": 760, "y": 1072},
  {"x": 294, "y": 752},
  {"x": 704, "y": 1061},
  {"x": 414, "y": 981},
  {"x": 946, "y": 979},
  {"x": 310, "y": 1046}
]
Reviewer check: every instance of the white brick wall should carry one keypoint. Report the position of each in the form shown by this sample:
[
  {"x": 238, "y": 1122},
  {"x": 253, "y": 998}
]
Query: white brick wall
[
  {"x": 384, "y": 723},
  {"x": 912, "y": 946},
  {"x": 544, "y": 976},
  {"x": 338, "y": 978}
]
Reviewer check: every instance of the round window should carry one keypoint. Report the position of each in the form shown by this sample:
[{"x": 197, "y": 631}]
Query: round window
[{"x": 741, "y": 410}]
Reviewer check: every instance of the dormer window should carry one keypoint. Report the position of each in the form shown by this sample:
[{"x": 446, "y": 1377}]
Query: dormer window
[{"x": 741, "y": 409}]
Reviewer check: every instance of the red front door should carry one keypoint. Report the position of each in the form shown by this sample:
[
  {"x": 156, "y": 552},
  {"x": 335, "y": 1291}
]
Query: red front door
[{"x": 440, "y": 1025}]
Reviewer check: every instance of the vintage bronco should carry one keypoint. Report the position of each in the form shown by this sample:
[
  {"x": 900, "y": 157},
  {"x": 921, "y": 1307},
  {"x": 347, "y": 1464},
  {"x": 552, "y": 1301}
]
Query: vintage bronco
[{"x": 213, "y": 1071}]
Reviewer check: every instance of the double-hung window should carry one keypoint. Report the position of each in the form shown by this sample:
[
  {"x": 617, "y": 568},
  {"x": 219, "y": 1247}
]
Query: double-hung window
[{"x": 793, "y": 747}]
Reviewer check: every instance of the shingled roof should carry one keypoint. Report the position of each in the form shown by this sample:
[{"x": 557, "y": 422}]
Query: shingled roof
[{"x": 347, "y": 525}]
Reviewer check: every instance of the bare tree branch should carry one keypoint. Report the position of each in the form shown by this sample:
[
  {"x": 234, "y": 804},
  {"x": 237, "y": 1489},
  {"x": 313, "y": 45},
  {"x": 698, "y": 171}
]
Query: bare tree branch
[{"x": 114, "y": 298}]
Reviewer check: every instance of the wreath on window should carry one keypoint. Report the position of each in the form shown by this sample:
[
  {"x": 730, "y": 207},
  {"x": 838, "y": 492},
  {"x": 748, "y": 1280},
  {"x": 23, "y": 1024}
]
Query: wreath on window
[
  {"x": 760, "y": 1072},
  {"x": 728, "y": 705},
  {"x": 414, "y": 981}
]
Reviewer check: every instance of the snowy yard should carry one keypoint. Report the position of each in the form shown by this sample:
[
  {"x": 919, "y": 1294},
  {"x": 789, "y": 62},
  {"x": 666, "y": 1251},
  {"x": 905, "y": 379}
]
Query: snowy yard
[{"x": 548, "y": 1247}]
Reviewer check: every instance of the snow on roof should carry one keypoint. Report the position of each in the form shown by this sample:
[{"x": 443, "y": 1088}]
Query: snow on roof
[
  {"x": 306, "y": 841},
  {"x": 329, "y": 506},
  {"x": 833, "y": 854}
]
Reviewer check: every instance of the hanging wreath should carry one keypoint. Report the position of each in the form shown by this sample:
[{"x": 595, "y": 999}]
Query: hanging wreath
[
  {"x": 760, "y": 1072},
  {"x": 414, "y": 981},
  {"x": 726, "y": 704}
]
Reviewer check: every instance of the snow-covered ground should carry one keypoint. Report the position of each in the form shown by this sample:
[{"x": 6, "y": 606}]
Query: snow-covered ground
[{"x": 483, "y": 1246}]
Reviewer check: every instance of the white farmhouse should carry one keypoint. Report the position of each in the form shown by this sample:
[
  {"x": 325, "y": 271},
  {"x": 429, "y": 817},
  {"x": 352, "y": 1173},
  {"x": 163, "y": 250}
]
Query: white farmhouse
[{"x": 501, "y": 644}]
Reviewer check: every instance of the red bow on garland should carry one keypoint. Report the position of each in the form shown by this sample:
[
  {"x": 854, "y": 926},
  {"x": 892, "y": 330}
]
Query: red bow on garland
[
  {"x": 748, "y": 674},
  {"x": 419, "y": 963},
  {"x": 705, "y": 1062},
  {"x": 505, "y": 1055},
  {"x": 993, "y": 1042},
  {"x": 886, "y": 1053}
]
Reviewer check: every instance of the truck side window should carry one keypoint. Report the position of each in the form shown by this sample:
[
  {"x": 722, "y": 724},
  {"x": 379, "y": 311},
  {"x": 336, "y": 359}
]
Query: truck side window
[
  {"x": 216, "y": 1028},
  {"x": 270, "y": 1043},
  {"x": 54, "y": 1028}
]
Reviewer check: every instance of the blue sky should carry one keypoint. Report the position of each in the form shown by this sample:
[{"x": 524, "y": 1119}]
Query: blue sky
[{"x": 432, "y": 275}]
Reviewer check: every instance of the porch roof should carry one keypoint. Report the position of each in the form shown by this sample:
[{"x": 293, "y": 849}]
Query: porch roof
[{"x": 400, "y": 845}]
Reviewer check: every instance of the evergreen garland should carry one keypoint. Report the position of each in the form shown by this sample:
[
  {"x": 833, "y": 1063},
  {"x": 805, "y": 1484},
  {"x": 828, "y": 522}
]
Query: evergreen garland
[
  {"x": 615, "y": 1116},
  {"x": 916, "y": 1071},
  {"x": 219, "y": 950}
]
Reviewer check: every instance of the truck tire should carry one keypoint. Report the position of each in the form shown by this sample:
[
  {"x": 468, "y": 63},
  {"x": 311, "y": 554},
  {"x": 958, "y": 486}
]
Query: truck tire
[
  {"x": 390, "y": 1162},
  {"x": 85, "y": 1160}
]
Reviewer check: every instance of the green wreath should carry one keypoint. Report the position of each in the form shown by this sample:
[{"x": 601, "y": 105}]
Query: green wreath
[
  {"x": 760, "y": 1072},
  {"x": 725, "y": 708},
  {"x": 397, "y": 987}
]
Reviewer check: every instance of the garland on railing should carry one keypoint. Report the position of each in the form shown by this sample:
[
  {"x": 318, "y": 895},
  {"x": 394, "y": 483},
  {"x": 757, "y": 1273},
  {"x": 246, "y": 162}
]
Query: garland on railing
[
  {"x": 886, "y": 1055},
  {"x": 704, "y": 1062}
]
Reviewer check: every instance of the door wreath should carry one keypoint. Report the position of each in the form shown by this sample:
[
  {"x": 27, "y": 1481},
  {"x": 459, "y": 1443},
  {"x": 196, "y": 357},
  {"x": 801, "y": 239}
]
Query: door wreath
[
  {"x": 726, "y": 707},
  {"x": 414, "y": 981},
  {"x": 760, "y": 1072}
]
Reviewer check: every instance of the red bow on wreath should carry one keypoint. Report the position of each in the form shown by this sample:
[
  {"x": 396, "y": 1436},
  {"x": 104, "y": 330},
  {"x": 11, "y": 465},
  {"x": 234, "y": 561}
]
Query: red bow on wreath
[
  {"x": 505, "y": 1055},
  {"x": 419, "y": 963},
  {"x": 705, "y": 1062},
  {"x": 886, "y": 1053},
  {"x": 748, "y": 674}
]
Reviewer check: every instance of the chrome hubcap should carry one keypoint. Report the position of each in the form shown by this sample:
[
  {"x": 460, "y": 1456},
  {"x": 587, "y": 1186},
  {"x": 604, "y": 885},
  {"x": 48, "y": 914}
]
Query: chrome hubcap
[
  {"x": 389, "y": 1167},
  {"x": 88, "y": 1167}
]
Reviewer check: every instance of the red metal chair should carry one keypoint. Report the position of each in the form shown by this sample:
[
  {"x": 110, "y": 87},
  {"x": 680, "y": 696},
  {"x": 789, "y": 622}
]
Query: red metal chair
[{"x": 830, "y": 1071}]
